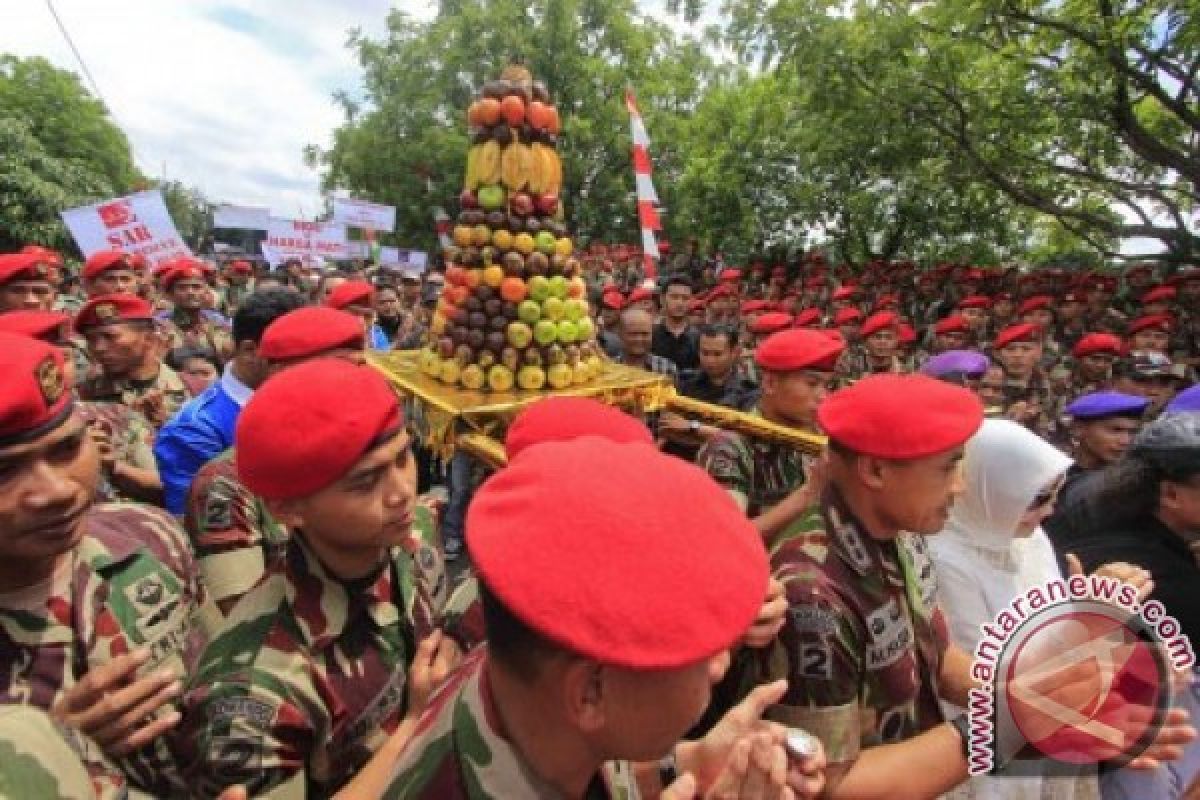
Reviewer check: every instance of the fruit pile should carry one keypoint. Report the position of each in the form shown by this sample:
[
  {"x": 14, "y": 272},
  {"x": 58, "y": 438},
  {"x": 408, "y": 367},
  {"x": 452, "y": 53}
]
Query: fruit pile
[{"x": 514, "y": 308}]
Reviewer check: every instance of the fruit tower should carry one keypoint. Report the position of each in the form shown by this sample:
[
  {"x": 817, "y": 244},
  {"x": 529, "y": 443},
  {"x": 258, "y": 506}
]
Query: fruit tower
[{"x": 514, "y": 310}]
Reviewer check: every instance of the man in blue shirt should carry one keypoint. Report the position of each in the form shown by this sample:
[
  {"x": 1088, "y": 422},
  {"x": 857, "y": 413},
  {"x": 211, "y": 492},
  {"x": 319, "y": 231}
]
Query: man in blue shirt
[{"x": 203, "y": 429}]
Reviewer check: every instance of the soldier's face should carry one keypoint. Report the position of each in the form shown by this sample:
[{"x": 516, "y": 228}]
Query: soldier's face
[
  {"x": 353, "y": 521},
  {"x": 647, "y": 712},
  {"x": 1107, "y": 439},
  {"x": 882, "y": 344},
  {"x": 45, "y": 487},
  {"x": 26, "y": 296},
  {"x": 794, "y": 396},
  {"x": 916, "y": 495},
  {"x": 113, "y": 281},
  {"x": 1097, "y": 366},
  {"x": 1153, "y": 339},
  {"x": 951, "y": 340},
  {"x": 1020, "y": 358},
  {"x": 189, "y": 294},
  {"x": 975, "y": 317},
  {"x": 120, "y": 348}
]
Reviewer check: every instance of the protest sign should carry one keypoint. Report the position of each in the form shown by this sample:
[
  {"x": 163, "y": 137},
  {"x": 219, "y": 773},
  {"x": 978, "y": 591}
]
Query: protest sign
[
  {"x": 362, "y": 214},
  {"x": 138, "y": 223},
  {"x": 307, "y": 241}
]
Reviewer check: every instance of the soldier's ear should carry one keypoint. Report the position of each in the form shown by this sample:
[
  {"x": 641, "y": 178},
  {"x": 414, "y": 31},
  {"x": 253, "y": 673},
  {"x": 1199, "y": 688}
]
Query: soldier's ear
[
  {"x": 583, "y": 689},
  {"x": 870, "y": 471}
]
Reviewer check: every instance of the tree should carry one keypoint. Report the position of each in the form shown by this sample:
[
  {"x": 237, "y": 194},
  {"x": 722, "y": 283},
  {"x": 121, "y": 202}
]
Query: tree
[
  {"x": 58, "y": 149},
  {"x": 405, "y": 143},
  {"x": 1082, "y": 111},
  {"x": 191, "y": 212}
]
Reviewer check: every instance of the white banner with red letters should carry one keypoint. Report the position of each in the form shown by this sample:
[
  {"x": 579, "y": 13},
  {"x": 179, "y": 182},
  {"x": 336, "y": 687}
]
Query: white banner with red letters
[
  {"x": 363, "y": 214},
  {"x": 138, "y": 223},
  {"x": 307, "y": 241}
]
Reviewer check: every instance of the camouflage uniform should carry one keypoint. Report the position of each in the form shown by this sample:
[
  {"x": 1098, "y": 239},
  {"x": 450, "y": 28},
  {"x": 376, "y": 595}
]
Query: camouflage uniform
[
  {"x": 132, "y": 438},
  {"x": 229, "y": 297},
  {"x": 306, "y": 679},
  {"x": 131, "y": 582},
  {"x": 202, "y": 332},
  {"x": 158, "y": 399},
  {"x": 1041, "y": 388},
  {"x": 235, "y": 538},
  {"x": 457, "y": 754},
  {"x": 41, "y": 759},
  {"x": 855, "y": 364},
  {"x": 864, "y": 638},
  {"x": 759, "y": 474}
]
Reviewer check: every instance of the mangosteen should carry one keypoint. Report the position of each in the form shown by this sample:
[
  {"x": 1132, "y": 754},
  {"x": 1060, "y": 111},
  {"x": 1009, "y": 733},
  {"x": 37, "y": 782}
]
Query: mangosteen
[
  {"x": 540, "y": 92},
  {"x": 493, "y": 306},
  {"x": 446, "y": 347},
  {"x": 477, "y": 321},
  {"x": 472, "y": 304},
  {"x": 496, "y": 220},
  {"x": 498, "y": 322},
  {"x": 475, "y": 338},
  {"x": 532, "y": 225},
  {"x": 458, "y": 334},
  {"x": 502, "y": 134},
  {"x": 496, "y": 342},
  {"x": 484, "y": 292},
  {"x": 510, "y": 312},
  {"x": 494, "y": 89}
]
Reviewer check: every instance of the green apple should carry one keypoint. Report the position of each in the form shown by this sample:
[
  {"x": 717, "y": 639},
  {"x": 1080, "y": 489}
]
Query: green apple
[
  {"x": 539, "y": 288},
  {"x": 529, "y": 312},
  {"x": 519, "y": 335},
  {"x": 576, "y": 309},
  {"x": 449, "y": 372},
  {"x": 567, "y": 332},
  {"x": 586, "y": 329},
  {"x": 558, "y": 287},
  {"x": 545, "y": 332},
  {"x": 491, "y": 197},
  {"x": 553, "y": 308},
  {"x": 559, "y": 376},
  {"x": 531, "y": 378},
  {"x": 545, "y": 242}
]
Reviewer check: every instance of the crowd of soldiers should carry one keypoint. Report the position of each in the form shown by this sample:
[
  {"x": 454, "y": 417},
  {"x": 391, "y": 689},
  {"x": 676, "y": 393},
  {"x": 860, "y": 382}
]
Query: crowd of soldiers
[{"x": 229, "y": 568}]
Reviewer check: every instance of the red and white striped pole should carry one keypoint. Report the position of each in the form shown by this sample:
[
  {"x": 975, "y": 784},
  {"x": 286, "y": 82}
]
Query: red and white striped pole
[
  {"x": 647, "y": 198},
  {"x": 441, "y": 223}
]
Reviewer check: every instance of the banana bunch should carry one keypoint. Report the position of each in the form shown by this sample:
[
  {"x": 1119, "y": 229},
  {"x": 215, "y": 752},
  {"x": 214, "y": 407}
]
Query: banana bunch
[
  {"x": 545, "y": 173},
  {"x": 483, "y": 165}
]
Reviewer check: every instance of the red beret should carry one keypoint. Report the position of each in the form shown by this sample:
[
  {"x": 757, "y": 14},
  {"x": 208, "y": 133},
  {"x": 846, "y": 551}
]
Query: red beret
[
  {"x": 109, "y": 308},
  {"x": 699, "y": 304},
  {"x": 905, "y": 334},
  {"x": 612, "y": 300},
  {"x": 887, "y": 300},
  {"x": 45, "y": 254},
  {"x": 241, "y": 267},
  {"x": 49, "y": 326},
  {"x": 731, "y": 275},
  {"x": 34, "y": 395},
  {"x": 657, "y": 569},
  {"x": 181, "y": 272},
  {"x": 1035, "y": 303},
  {"x": 1159, "y": 321},
  {"x": 973, "y": 275},
  {"x": 637, "y": 294},
  {"x": 845, "y": 316},
  {"x": 798, "y": 348},
  {"x": 975, "y": 301},
  {"x": 310, "y": 331},
  {"x": 807, "y": 317},
  {"x": 274, "y": 462},
  {"x": 815, "y": 282},
  {"x": 1159, "y": 294},
  {"x": 350, "y": 293},
  {"x": 1021, "y": 332},
  {"x": 721, "y": 291},
  {"x": 750, "y": 306},
  {"x": 23, "y": 267},
  {"x": 900, "y": 416},
  {"x": 773, "y": 322},
  {"x": 955, "y": 323},
  {"x": 561, "y": 419},
  {"x": 844, "y": 292},
  {"x": 104, "y": 261},
  {"x": 878, "y": 321},
  {"x": 1092, "y": 343}
]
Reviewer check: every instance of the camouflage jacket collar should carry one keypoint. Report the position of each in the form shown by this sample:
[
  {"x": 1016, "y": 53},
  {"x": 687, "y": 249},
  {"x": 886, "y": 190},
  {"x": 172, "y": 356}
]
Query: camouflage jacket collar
[
  {"x": 859, "y": 550},
  {"x": 325, "y": 606},
  {"x": 118, "y": 546}
]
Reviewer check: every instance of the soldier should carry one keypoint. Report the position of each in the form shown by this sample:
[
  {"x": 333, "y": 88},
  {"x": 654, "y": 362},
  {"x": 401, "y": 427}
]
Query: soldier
[
  {"x": 577, "y": 679},
  {"x": 40, "y": 758},
  {"x": 1102, "y": 426},
  {"x": 121, "y": 340},
  {"x": 307, "y": 677},
  {"x": 951, "y": 333},
  {"x": 358, "y": 298},
  {"x": 233, "y": 533},
  {"x": 1094, "y": 355},
  {"x": 1150, "y": 333},
  {"x": 878, "y": 350},
  {"x": 204, "y": 427},
  {"x": 25, "y": 283},
  {"x": 111, "y": 272},
  {"x": 866, "y": 652},
  {"x": 1030, "y": 398},
  {"x": 848, "y": 321},
  {"x": 189, "y": 323},
  {"x": 769, "y": 481},
  {"x": 102, "y": 613},
  {"x": 240, "y": 284}
]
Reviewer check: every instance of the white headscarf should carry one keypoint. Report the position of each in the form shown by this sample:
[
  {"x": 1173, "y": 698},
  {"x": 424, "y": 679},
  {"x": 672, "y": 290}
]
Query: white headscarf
[{"x": 1005, "y": 467}]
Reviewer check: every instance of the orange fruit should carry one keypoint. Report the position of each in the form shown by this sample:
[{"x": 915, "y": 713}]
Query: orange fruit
[
  {"x": 481, "y": 235},
  {"x": 489, "y": 111},
  {"x": 513, "y": 289},
  {"x": 524, "y": 243},
  {"x": 462, "y": 235},
  {"x": 539, "y": 115},
  {"x": 552, "y": 123},
  {"x": 493, "y": 276},
  {"x": 513, "y": 108},
  {"x": 474, "y": 277}
]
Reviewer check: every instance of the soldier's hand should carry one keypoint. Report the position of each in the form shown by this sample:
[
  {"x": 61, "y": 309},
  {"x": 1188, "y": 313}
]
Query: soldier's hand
[
  {"x": 102, "y": 438},
  {"x": 153, "y": 406},
  {"x": 707, "y": 757},
  {"x": 1124, "y": 572},
  {"x": 113, "y": 705},
  {"x": 757, "y": 769},
  {"x": 234, "y": 793},
  {"x": 771, "y": 617},
  {"x": 437, "y": 655},
  {"x": 671, "y": 423}
]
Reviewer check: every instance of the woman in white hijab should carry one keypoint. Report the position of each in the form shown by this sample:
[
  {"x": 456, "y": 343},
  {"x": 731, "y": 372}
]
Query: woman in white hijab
[{"x": 992, "y": 550}]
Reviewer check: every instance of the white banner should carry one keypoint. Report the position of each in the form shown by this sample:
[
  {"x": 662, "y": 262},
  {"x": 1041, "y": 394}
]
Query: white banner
[
  {"x": 409, "y": 261},
  {"x": 362, "y": 214},
  {"x": 250, "y": 218},
  {"x": 307, "y": 241},
  {"x": 139, "y": 223}
]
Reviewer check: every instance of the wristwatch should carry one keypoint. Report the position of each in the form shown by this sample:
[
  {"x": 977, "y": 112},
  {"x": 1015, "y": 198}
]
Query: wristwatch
[
  {"x": 668, "y": 769},
  {"x": 963, "y": 725},
  {"x": 694, "y": 426}
]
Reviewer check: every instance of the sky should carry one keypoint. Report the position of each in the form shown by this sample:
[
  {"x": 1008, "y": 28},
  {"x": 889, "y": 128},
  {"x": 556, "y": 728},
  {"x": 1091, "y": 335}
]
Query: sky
[{"x": 220, "y": 94}]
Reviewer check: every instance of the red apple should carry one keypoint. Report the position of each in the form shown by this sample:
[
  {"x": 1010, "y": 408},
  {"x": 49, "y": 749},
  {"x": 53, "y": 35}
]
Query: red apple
[
  {"x": 521, "y": 203},
  {"x": 547, "y": 204},
  {"x": 468, "y": 199}
]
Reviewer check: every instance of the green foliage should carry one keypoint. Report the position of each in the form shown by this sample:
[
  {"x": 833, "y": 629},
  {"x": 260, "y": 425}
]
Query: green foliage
[
  {"x": 405, "y": 144},
  {"x": 191, "y": 212}
]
